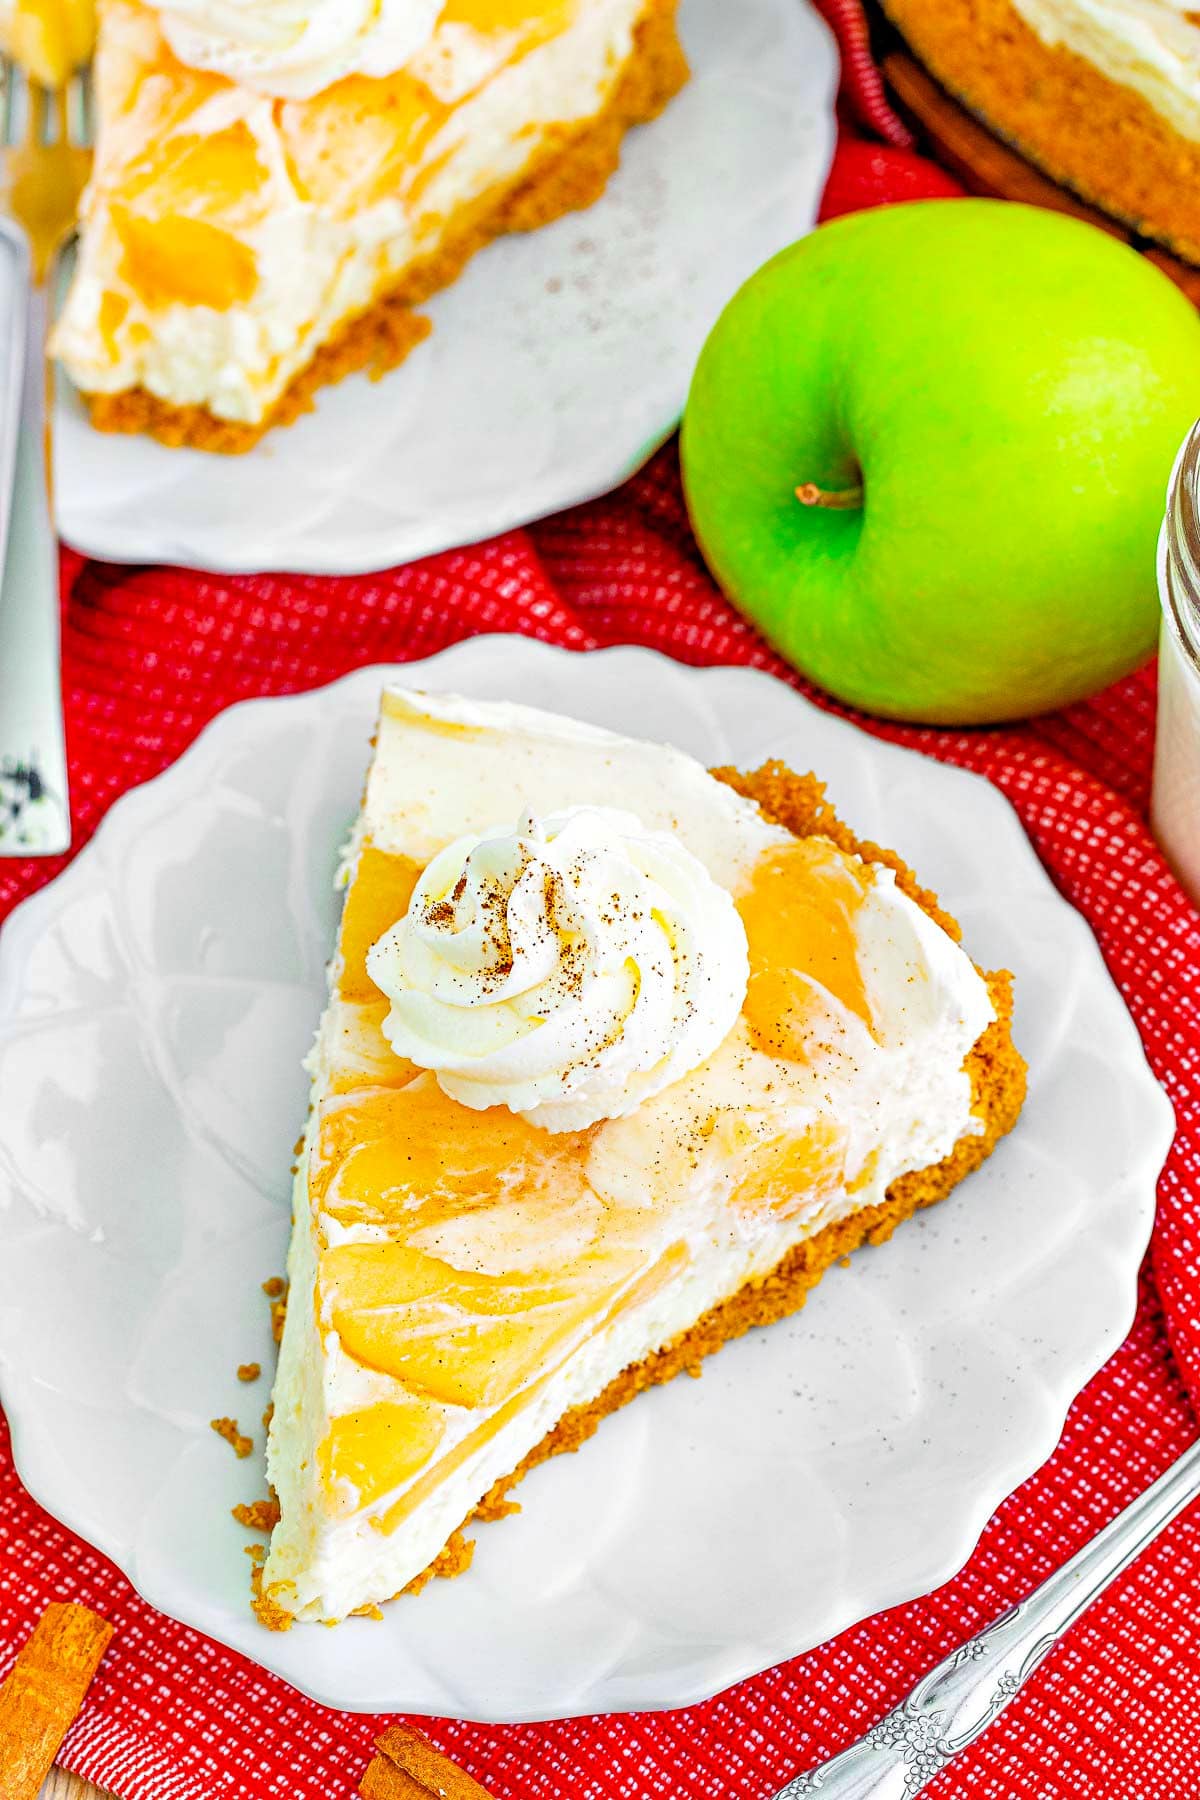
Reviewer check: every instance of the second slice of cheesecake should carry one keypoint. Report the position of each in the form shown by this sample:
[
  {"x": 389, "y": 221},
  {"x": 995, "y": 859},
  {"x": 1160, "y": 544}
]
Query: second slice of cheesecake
[{"x": 241, "y": 243}]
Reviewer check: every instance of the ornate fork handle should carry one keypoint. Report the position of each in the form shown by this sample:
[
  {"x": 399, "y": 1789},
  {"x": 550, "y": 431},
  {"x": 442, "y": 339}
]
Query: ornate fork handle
[{"x": 958, "y": 1700}]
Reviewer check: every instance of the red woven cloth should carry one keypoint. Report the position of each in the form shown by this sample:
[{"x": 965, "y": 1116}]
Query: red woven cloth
[{"x": 151, "y": 655}]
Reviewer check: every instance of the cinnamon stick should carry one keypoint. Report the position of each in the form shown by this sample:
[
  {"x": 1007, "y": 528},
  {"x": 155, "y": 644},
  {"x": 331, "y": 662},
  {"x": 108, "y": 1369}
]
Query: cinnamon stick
[
  {"x": 407, "y": 1767},
  {"x": 43, "y": 1693}
]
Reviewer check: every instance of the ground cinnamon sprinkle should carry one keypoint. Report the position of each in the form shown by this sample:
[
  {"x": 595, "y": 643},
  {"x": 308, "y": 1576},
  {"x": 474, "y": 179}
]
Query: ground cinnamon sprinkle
[
  {"x": 238, "y": 1442},
  {"x": 249, "y": 1371},
  {"x": 43, "y": 1693},
  {"x": 407, "y": 1767}
]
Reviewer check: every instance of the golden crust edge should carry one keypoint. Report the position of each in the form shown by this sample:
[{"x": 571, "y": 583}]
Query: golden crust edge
[
  {"x": 1084, "y": 130},
  {"x": 998, "y": 1079},
  {"x": 569, "y": 175}
]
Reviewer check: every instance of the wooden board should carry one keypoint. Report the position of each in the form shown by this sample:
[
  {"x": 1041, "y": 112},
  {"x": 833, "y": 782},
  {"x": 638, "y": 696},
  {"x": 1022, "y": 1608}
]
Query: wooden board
[
  {"x": 61, "y": 1786},
  {"x": 986, "y": 165}
]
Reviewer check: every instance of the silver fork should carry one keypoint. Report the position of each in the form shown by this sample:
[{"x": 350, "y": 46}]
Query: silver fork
[
  {"x": 44, "y": 135},
  {"x": 958, "y": 1700}
]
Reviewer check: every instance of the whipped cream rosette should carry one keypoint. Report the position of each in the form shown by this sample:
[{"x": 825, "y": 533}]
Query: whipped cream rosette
[
  {"x": 568, "y": 968},
  {"x": 293, "y": 49}
]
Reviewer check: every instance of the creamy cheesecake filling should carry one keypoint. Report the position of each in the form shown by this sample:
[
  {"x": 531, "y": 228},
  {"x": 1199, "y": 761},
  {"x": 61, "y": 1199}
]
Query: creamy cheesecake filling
[
  {"x": 462, "y": 1279},
  {"x": 227, "y": 235},
  {"x": 1152, "y": 46}
]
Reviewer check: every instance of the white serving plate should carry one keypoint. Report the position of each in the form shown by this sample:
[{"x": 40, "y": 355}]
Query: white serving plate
[
  {"x": 558, "y": 361},
  {"x": 155, "y": 1003}
]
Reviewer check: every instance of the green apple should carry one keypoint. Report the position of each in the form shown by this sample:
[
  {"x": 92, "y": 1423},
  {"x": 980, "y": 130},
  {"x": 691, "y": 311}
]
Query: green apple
[{"x": 926, "y": 451}]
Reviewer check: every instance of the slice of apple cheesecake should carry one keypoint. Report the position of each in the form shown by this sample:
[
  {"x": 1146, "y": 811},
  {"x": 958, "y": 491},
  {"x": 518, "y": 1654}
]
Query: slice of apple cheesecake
[
  {"x": 619, "y": 1056},
  {"x": 279, "y": 183}
]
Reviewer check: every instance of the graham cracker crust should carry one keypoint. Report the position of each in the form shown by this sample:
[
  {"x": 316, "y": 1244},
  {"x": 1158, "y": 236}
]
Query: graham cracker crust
[
  {"x": 570, "y": 174},
  {"x": 997, "y": 1072},
  {"x": 1089, "y": 133}
]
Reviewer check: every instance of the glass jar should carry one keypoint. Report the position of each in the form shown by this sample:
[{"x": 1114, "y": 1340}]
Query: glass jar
[{"x": 1175, "y": 807}]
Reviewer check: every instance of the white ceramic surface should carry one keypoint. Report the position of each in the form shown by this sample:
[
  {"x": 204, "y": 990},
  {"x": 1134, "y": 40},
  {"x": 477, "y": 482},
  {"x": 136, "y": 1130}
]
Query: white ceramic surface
[
  {"x": 155, "y": 1003},
  {"x": 558, "y": 362}
]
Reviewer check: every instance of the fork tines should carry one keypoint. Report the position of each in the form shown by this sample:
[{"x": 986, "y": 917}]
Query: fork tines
[{"x": 30, "y": 113}]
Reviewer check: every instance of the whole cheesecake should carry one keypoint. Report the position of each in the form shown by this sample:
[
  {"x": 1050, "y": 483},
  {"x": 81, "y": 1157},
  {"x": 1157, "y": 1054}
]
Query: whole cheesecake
[
  {"x": 619, "y": 1056},
  {"x": 278, "y": 185},
  {"x": 1103, "y": 95}
]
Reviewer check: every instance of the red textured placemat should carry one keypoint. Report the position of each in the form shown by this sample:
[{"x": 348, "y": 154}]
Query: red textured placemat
[{"x": 151, "y": 655}]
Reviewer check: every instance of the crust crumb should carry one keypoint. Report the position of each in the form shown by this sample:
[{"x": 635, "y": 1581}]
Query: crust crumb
[
  {"x": 266, "y": 1610},
  {"x": 249, "y": 1371},
  {"x": 258, "y": 1515},
  {"x": 239, "y": 1443},
  {"x": 276, "y": 1292}
]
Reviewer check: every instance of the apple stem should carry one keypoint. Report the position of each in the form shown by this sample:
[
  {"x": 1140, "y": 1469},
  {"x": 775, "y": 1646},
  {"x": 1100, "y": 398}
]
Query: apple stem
[{"x": 833, "y": 499}]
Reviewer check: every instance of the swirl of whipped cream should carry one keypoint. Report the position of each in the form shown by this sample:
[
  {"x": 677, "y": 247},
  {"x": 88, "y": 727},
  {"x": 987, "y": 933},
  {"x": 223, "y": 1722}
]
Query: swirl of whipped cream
[
  {"x": 567, "y": 969},
  {"x": 292, "y": 49}
]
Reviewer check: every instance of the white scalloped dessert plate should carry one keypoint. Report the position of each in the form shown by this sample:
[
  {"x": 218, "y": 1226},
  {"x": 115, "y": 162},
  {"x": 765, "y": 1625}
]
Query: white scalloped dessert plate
[
  {"x": 558, "y": 361},
  {"x": 155, "y": 1003}
]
